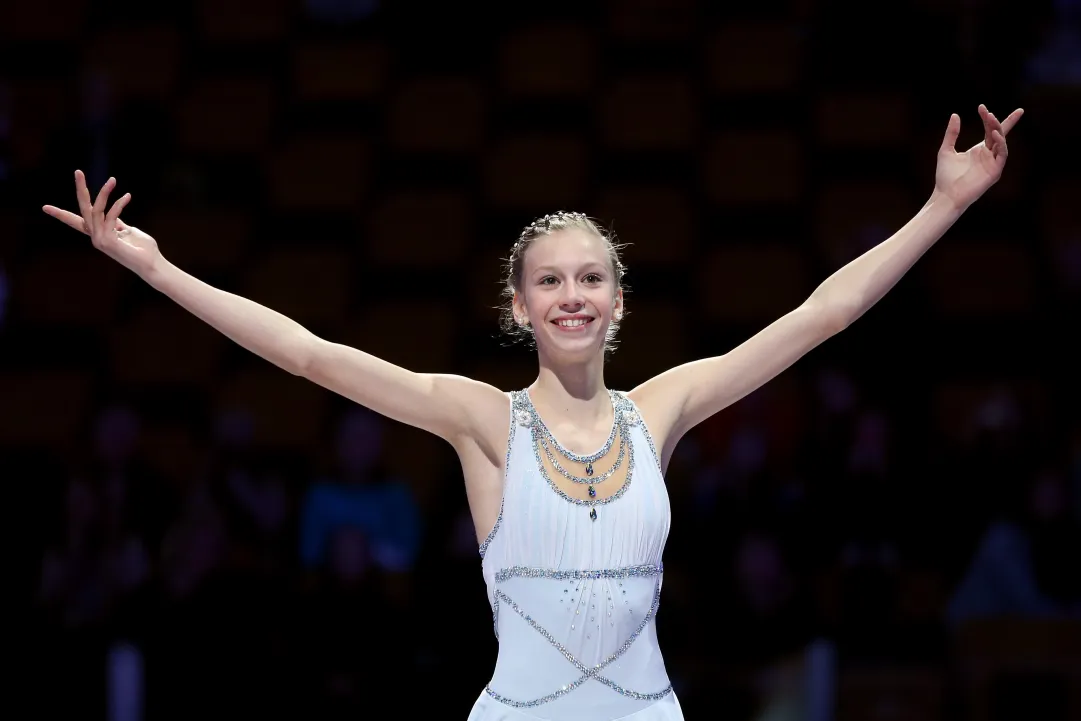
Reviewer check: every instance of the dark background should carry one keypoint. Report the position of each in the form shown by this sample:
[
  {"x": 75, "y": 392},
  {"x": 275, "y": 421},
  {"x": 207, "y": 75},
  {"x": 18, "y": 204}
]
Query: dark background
[{"x": 891, "y": 524}]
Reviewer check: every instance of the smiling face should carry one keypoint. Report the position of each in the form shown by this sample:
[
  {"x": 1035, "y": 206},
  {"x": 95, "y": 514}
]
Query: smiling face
[{"x": 569, "y": 293}]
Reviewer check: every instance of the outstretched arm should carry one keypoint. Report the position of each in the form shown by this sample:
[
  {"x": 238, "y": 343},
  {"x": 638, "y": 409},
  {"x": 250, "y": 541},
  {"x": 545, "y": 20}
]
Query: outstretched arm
[
  {"x": 679, "y": 399},
  {"x": 449, "y": 406}
]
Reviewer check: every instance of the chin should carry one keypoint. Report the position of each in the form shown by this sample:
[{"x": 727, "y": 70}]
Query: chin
[{"x": 572, "y": 350}]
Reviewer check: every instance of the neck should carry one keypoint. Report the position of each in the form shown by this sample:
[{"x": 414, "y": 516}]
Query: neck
[{"x": 575, "y": 388}]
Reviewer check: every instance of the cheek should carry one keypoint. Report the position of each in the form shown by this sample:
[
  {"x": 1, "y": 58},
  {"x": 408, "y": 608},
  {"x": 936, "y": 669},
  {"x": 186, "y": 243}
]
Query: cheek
[
  {"x": 607, "y": 301},
  {"x": 531, "y": 299}
]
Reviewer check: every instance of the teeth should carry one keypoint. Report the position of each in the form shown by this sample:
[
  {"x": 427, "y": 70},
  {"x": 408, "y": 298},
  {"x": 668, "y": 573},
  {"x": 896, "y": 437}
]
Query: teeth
[{"x": 573, "y": 323}]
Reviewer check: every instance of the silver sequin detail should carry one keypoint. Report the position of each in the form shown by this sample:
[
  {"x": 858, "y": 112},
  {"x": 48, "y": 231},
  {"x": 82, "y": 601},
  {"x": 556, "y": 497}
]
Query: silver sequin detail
[
  {"x": 563, "y": 575},
  {"x": 527, "y": 405},
  {"x": 506, "y": 471},
  {"x": 587, "y": 672},
  {"x": 585, "y": 480},
  {"x": 520, "y": 400}
]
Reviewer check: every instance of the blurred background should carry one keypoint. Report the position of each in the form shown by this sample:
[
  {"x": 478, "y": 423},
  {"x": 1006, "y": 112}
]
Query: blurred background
[{"x": 889, "y": 531}]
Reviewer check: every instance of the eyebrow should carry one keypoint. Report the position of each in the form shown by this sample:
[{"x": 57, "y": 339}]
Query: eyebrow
[{"x": 552, "y": 269}]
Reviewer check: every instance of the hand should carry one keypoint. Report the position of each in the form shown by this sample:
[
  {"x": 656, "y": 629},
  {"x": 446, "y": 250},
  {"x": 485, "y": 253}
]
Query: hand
[
  {"x": 964, "y": 177},
  {"x": 125, "y": 244}
]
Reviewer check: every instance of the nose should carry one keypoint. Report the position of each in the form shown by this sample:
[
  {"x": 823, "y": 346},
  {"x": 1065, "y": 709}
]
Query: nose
[{"x": 572, "y": 299}]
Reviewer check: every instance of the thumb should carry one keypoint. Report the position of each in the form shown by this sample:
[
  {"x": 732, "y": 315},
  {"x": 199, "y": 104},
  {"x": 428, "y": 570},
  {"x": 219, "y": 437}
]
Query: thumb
[{"x": 953, "y": 129}]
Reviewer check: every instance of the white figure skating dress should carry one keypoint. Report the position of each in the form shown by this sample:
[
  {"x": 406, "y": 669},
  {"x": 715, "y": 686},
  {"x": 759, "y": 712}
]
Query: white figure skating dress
[{"x": 575, "y": 584}]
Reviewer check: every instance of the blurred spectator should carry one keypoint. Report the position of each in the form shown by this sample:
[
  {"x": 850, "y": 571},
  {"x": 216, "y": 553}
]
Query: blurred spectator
[
  {"x": 136, "y": 500},
  {"x": 103, "y": 559},
  {"x": 1057, "y": 61},
  {"x": 351, "y": 639},
  {"x": 73, "y": 585},
  {"x": 763, "y": 611},
  {"x": 219, "y": 642},
  {"x": 1026, "y": 565},
  {"x": 255, "y": 487},
  {"x": 363, "y": 496},
  {"x": 194, "y": 548},
  {"x": 759, "y": 617}
]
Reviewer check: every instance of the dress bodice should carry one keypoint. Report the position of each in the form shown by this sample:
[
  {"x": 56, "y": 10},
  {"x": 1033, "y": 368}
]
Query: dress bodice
[{"x": 575, "y": 584}]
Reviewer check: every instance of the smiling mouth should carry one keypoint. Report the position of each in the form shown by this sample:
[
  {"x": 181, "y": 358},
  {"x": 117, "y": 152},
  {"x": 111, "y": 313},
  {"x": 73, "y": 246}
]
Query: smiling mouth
[{"x": 572, "y": 323}]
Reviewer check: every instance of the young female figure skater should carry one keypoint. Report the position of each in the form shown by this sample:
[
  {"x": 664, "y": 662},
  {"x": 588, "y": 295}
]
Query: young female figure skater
[{"x": 565, "y": 479}]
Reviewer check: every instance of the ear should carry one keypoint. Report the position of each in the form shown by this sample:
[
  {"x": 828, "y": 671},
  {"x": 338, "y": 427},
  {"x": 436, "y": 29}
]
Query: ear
[
  {"x": 617, "y": 308},
  {"x": 519, "y": 309}
]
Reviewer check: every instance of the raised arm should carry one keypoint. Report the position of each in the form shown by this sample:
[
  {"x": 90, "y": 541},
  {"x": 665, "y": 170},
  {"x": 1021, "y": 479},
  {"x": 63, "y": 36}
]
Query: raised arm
[
  {"x": 451, "y": 407},
  {"x": 677, "y": 400}
]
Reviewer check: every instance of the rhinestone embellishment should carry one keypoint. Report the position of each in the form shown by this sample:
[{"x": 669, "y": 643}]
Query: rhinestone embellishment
[
  {"x": 589, "y": 672},
  {"x": 593, "y": 512},
  {"x": 544, "y": 443}
]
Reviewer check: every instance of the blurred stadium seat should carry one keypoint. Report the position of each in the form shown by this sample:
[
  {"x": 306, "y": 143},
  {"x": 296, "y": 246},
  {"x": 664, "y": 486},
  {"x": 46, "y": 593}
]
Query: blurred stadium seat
[
  {"x": 309, "y": 285},
  {"x": 530, "y": 68},
  {"x": 201, "y": 239},
  {"x": 44, "y": 408},
  {"x": 991, "y": 279},
  {"x": 668, "y": 22},
  {"x": 320, "y": 171},
  {"x": 243, "y": 21},
  {"x": 864, "y": 120},
  {"x": 654, "y": 112},
  {"x": 323, "y": 70},
  {"x": 44, "y": 21},
  {"x": 657, "y": 221},
  {"x": 754, "y": 168},
  {"x": 756, "y": 58},
  {"x": 437, "y": 114},
  {"x": 747, "y": 283},
  {"x": 91, "y": 283},
  {"x": 164, "y": 344},
  {"x": 227, "y": 115},
  {"x": 537, "y": 173},
  {"x": 422, "y": 228},
  {"x": 136, "y": 62}
]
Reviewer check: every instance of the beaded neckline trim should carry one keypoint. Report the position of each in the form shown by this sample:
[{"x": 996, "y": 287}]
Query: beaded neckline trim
[{"x": 526, "y": 415}]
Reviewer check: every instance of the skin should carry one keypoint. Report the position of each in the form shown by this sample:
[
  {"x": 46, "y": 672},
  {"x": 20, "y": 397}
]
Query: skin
[{"x": 569, "y": 391}]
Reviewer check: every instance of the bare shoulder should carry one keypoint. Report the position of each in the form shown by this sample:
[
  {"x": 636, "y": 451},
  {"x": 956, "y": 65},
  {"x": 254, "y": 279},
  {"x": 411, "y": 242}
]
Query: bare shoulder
[
  {"x": 482, "y": 448},
  {"x": 660, "y": 410},
  {"x": 487, "y": 409}
]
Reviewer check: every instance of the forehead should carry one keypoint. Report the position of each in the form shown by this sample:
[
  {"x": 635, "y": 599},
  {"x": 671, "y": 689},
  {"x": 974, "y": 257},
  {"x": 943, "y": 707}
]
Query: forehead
[{"x": 571, "y": 246}]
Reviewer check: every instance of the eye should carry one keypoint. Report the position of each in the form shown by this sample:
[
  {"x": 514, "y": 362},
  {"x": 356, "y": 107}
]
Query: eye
[
  {"x": 548, "y": 280},
  {"x": 593, "y": 278}
]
